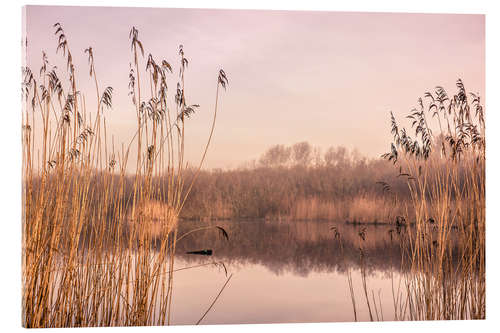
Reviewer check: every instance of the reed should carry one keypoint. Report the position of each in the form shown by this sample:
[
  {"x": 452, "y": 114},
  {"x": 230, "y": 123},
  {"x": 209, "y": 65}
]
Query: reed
[
  {"x": 443, "y": 252},
  {"x": 444, "y": 165},
  {"x": 89, "y": 255},
  {"x": 344, "y": 188}
]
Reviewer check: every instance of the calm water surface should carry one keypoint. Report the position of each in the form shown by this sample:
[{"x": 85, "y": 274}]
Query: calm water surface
[{"x": 284, "y": 272}]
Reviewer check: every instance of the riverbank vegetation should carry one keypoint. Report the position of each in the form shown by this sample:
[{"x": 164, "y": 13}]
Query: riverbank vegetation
[
  {"x": 340, "y": 185},
  {"x": 79, "y": 266},
  {"x": 444, "y": 166},
  {"x": 448, "y": 194}
]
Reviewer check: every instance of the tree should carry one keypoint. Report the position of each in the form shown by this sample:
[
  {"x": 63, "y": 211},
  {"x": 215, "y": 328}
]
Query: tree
[
  {"x": 302, "y": 153},
  {"x": 338, "y": 156},
  {"x": 278, "y": 155}
]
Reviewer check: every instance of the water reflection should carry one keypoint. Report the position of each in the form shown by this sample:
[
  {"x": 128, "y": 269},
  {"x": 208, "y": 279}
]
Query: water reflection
[
  {"x": 294, "y": 247},
  {"x": 284, "y": 272}
]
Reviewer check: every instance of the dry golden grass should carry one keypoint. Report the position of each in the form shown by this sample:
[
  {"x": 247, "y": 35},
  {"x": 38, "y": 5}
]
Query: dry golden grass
[
  {"x": 360, "y": 209},
  {"x": 84, "y": 263},
  {"x": 444, "y": 254},
  {"x": 162, "y": 217}
]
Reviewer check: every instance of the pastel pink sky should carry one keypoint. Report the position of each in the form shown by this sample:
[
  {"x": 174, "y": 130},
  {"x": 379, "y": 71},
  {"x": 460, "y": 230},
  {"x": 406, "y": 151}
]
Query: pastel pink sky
[{"x": 329, "y": 78}]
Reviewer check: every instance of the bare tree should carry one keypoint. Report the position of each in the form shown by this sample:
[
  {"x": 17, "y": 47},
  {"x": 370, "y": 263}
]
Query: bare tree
[
  {"x": 278, "y": 155},
  {"x": 337, "y": 156},
  {"x": 302, "y": 153}
]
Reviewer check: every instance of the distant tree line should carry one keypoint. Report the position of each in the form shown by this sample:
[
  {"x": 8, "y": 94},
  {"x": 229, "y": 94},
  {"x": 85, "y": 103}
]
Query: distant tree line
[
  {"x": 286, "y": 177},
  {"x": 305, "y": 155}
]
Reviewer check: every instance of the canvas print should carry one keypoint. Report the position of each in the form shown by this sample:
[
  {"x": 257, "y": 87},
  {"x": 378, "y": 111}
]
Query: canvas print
[{"x": 200, "y": 166}]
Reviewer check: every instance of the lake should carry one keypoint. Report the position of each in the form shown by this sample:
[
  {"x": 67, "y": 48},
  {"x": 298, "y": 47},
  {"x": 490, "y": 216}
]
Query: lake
[{"x": 286, "y": 272}]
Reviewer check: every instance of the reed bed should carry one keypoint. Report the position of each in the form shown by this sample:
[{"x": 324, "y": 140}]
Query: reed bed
[
  {"x": 443, "y": 254},
  {"x": 89, "y": 257},
  {"x": 339, "y": 188}
]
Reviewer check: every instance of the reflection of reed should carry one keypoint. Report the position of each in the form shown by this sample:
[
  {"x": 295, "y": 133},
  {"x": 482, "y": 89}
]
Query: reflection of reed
[
  {"x": 299, "y": 247},
  {"x": 338, "y": 236}
]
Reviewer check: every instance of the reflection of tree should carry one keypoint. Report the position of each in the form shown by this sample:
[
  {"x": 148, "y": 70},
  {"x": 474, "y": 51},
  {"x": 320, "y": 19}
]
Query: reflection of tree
[{"x": 297, "y": 247}]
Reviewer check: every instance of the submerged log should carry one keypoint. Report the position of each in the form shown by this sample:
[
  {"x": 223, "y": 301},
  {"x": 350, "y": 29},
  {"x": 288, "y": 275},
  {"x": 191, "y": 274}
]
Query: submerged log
[{"x": 201, "y": 252}]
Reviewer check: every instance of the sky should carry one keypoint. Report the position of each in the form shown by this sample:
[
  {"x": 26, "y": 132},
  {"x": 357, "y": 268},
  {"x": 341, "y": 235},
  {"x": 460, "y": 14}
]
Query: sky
[{"x": 329, "y": 78}]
